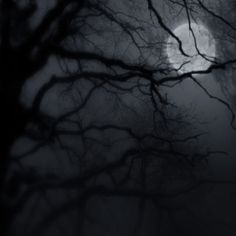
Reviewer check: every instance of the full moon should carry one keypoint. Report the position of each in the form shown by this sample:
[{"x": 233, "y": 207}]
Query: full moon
[{"x": 200, "y": 48}]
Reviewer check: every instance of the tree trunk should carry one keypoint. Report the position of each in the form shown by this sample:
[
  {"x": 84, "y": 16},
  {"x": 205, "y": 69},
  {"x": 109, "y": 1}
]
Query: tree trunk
[{"x": 12, "y": 123}]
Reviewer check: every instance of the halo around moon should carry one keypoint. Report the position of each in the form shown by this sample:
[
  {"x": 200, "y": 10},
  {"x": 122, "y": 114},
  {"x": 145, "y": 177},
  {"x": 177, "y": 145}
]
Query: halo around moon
[{"x": 200, "y": 48}]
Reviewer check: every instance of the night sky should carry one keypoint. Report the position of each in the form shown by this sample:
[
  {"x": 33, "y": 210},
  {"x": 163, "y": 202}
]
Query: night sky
[{"x": 120, "y": 141}]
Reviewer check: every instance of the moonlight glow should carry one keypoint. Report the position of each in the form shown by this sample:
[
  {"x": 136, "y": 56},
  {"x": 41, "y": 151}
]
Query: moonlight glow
[{"x": 204, "y": 45}]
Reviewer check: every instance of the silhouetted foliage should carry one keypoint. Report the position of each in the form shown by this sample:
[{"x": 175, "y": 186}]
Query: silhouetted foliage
[{"x": 90, "y": 79}]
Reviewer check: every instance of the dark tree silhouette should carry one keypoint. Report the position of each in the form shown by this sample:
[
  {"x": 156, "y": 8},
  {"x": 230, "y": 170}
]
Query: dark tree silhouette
[{"x": 99, "y": 52}]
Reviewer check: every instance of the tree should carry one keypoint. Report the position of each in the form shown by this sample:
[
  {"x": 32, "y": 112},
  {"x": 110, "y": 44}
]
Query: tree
[{"x": 99, "y": 52}]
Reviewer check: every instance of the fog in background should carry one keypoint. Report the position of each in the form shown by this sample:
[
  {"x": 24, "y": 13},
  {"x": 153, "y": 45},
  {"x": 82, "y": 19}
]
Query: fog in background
[{"x": 207, "y": 210}]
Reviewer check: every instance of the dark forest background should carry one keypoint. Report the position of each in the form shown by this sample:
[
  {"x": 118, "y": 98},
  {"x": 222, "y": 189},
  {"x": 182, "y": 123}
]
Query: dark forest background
[{"x": 100, "y": 135}]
